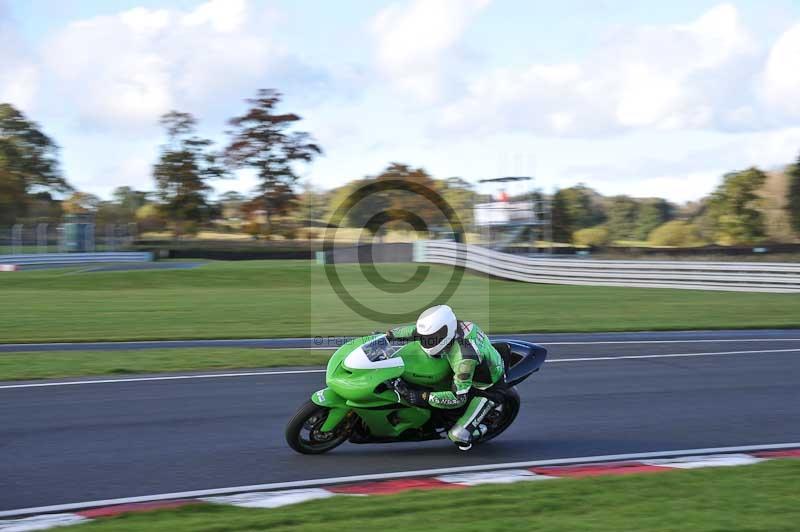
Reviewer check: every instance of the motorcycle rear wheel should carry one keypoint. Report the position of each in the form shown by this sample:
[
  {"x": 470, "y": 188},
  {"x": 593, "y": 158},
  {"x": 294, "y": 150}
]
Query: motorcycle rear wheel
[
  {"x": 303, "y": 431},
  {"x": 504, "y": 418}
]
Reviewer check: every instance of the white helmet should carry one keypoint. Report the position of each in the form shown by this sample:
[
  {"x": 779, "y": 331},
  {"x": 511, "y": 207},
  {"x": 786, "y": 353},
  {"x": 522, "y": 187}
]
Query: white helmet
[{"x": 436, "y": 328}]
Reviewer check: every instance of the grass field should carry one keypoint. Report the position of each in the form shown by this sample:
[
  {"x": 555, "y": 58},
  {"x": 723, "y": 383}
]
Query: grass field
[
  {"x": 48, "y": 364},
  {"x": 761, "y": 497},
  {"x": 294, "y": 298}
]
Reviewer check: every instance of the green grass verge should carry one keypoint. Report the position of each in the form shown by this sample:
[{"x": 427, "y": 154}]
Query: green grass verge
[
  {"x": 51, "y": 364},
  {"x": 294, "y": 298},
  {"x": 760, "y": 497}
]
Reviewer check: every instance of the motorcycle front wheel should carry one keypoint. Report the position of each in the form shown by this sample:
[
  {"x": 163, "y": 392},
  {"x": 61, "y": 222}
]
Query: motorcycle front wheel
[{"x": 303, "y": 432}]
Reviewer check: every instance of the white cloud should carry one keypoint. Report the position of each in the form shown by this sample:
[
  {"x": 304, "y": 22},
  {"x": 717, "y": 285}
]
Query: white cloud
[
  {"x": 679, "y": 188},
  {"x": 18, "y": 83},
  {"x": 122, "y": 71},
  {"x": 683, "y": 174},
  {"x": 417, "y": 42},
  {"x": 19, "y": 76},
  {"x": 781, "y": 79},
  {"x": 695, "y": 75},
  {"x": 222, "y": 15},
  {"x": 769, "y": 149}
]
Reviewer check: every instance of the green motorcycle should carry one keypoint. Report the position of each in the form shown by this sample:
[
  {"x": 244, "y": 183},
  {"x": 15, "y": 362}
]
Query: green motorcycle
[{"x": 360, "y": 404}]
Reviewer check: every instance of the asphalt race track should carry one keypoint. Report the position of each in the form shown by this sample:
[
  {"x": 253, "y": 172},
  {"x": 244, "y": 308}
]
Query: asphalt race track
[{"x": 599, "y": 394}]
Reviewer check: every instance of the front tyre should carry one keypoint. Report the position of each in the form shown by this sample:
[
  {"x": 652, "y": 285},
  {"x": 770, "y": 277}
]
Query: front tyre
[{"x": 303, "y": 432}]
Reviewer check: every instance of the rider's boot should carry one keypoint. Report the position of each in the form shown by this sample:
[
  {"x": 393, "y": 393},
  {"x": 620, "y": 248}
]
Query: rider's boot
[
  {"x": 469, "y": 426},
  {"x": 479, "y": 431}
]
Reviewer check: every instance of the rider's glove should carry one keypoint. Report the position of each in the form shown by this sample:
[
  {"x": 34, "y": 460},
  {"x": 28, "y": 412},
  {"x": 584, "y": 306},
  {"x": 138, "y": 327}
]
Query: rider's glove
[
  {"x": 410, "y": 395},
  {"x": 390, "y": 335}
]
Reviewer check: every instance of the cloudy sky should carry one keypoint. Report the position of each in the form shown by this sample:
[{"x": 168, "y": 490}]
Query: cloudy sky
[{"x": 642, "y": 98}]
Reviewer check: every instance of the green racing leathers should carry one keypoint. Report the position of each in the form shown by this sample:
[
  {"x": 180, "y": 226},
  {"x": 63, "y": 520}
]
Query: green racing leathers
[{"x": 475, "y": 363}]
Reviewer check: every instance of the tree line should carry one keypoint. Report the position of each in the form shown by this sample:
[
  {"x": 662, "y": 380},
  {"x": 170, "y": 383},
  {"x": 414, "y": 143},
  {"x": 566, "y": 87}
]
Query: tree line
[
  {"x": 748, "y": 206},
  {"x": 262, "y": 140}
]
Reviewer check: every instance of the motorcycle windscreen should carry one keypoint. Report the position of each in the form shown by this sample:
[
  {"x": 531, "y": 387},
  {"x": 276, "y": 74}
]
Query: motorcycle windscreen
[
  {"x": 381, "y": 349},
  {"x": 375, "y": 354}
]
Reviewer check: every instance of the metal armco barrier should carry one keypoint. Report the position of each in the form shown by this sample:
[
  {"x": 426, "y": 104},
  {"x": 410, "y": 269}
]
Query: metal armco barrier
[
  {"x": 75, "y": 258},
  {"x": 732, "y": 276}
]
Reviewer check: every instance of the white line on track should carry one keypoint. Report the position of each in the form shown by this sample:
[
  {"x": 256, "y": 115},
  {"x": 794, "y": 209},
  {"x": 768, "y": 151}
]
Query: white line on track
[
  {"x": 300, "y": 371},
  {"x": 706, "y": 340},
  {"x": 162, "y": 378},
  {"x": 672, "y": 355},
  {"x": 387, "y": 476}
]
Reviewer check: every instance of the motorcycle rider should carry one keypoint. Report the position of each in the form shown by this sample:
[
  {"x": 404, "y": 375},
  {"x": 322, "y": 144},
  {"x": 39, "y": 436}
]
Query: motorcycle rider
[{"x": 475, "y": 362}]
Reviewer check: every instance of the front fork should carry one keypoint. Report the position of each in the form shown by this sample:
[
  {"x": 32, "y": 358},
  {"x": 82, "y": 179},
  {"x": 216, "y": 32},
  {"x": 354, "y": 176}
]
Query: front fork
[{"x": 337, "y": 406}]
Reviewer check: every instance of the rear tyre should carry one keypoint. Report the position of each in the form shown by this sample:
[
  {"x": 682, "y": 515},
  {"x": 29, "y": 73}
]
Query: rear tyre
[
  {"x": 497, "y": 421},
  {"x": 303, "y": 432}
]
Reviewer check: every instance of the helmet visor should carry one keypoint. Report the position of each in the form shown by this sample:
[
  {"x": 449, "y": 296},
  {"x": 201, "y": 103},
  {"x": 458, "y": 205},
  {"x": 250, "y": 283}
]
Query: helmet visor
[{"x": 429, "y": 341}]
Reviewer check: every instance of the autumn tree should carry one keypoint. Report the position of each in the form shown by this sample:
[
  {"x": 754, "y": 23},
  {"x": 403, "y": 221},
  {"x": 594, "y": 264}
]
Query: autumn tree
[
  {"x": 400, "y": 197},
  {"x": 416, "y": 198},
  {"x": 262, "y": 140},
  {"x": 360, "y": 209},
  {"x": 129, "y": 200},
  {"x": 149, "y": 218},
  {"x": 592, "y": 236},
  {"x": 561, "y": 217},
  {"x": 125, "y": 201},
  {"x": 311, "y": 203},
  {"x": 793, "y": 200},
  {"x": 622, "y": 214},
  {"x": 734, "y": 207},
  {"x": 582, "y": 206},
  {"x": 677, "y": 233},
  {"x": 184, "y": 167},
  {"x": 81, "y": 203},
  {"x": 230, "y": 204},
  {"x": 28, "y": 164},
  {"x": 460, "y": 195},
  {"x": 652, "y": 213},
  {"x": 43, "y": 206}
]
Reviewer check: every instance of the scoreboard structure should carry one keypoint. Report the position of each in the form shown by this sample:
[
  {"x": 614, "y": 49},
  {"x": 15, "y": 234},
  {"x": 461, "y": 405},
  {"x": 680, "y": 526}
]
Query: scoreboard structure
[{"x": 520, "y": 221}]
